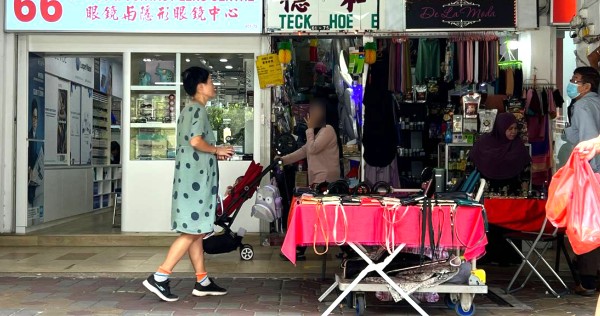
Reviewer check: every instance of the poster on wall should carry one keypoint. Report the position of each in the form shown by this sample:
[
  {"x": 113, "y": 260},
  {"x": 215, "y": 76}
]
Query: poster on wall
[
  {"x": 75, "y": 112},
  {"x": 117, "y": 16},
  {"x": 87, "y": 110},
  {"x": 319, "y": 15},
  {"x": 103, "y": 75},
  {"x": 460, "y": 14},
  {"x": 76, "y": 69},
  {"x": 56, "y": 127},
  {"x": 117, "y": 80},
  {"x": 35, "y": 136}
]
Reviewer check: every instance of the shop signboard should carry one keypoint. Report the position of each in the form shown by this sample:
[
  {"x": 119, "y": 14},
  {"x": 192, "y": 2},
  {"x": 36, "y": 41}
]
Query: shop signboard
[
  {"x": 563, "y": 11},
  {"x": 118, "y": 16},
  {"x": 460, "y": 14},
  {"x": 322, "y": 16},
  {"x": 269, "y": 71}
]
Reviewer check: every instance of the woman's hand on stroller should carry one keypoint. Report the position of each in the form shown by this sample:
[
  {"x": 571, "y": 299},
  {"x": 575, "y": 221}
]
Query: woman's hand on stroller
[{"x": 224, "y": 152}]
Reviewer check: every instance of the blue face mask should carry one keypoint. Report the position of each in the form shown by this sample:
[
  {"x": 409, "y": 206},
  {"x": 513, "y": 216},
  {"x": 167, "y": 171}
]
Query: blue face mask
[{"x": 572, "y": 90}]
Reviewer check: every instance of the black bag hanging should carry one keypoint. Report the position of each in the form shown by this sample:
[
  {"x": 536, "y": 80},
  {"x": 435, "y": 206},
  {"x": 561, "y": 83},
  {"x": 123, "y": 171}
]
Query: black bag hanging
[{"x": 379, "y": 136}]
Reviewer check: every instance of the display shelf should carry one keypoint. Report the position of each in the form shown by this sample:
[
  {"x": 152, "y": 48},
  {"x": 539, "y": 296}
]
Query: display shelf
[
  {"x": 172, "y": 87},
  {"x": 153, "y": 107},
  {"x": 115, "y": 127},
  {"x": 153, "y": 125},
  {"x": 106, "y": 180}
]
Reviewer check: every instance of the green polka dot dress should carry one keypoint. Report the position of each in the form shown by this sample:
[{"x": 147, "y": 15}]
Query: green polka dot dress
[{"x": 196, "y": 179}]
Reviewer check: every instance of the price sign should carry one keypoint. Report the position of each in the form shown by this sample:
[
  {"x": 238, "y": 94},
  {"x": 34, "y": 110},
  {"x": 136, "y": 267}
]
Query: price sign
[
  {"x": 117, "y": 16},
  {"x": 269, "y": 71}
]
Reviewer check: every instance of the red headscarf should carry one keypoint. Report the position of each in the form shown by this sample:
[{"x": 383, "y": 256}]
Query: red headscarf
[{"x": 496, "y": 156}]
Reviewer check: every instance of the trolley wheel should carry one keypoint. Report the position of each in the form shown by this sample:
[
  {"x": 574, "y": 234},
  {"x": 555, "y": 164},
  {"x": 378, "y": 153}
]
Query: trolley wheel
[
  {"x": 246, "y": 252},
  {"x": 361, "y": 304},
  {"x": 465, "y": 307},
  {"x": 450, "y": 300},
  {"x": 460, "y": 311}
]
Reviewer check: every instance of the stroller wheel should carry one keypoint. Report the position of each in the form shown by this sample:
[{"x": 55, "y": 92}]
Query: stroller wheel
[{"x": 246, "y": 252}]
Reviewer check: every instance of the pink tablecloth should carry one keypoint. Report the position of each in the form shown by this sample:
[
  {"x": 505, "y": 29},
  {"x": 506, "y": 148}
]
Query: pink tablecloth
[{"x": 366, "y": 225}]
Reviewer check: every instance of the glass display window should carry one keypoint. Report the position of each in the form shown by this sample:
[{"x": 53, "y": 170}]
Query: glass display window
[{"x": 157, "y": 97}]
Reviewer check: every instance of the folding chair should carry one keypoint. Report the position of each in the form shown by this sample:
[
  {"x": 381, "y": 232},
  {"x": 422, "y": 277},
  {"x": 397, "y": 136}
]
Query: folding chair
[{"x": 532, "y": 239}]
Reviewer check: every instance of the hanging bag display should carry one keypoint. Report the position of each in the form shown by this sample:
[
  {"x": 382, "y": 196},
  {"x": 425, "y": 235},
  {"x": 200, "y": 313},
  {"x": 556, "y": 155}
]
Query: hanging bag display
[{"x": 583, "y": 223}]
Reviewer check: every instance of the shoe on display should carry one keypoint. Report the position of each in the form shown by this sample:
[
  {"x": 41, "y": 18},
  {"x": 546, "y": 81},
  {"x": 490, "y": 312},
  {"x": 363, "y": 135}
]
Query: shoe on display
[
  {"x": 161, "y": 289},
  {"x": 210, "y": 290},
  {"x": 580, "y": 290}
]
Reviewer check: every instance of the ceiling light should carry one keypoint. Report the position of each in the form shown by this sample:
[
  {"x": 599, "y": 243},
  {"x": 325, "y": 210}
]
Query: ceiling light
[
  {"x": 223, "y": 60},
  {"x": 216, "y": 83},
  {"x": 203, "y": 61},
  {"x": 228, "y": 67},
  {"x": 211, "y": 67},
  {"x": 233, "y": 78},
  {"x": 187, "y": 60}
]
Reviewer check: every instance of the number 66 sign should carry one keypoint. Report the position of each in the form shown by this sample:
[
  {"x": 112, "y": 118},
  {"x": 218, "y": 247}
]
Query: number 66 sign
[
  {"x": 27, "y": 10},
  {"x": 118, "y": 16}
]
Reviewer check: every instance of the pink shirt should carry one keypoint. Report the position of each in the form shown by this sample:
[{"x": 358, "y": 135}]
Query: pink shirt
[{"x": 321, "y": 152}]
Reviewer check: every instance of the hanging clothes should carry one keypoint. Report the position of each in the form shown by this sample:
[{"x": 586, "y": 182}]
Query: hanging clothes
[
  {"x": 428, "y": 60},
  {"x": 449, "y": 62},
  {"x": 379, "y": 136},
  {"x": 387, "y": 174}
]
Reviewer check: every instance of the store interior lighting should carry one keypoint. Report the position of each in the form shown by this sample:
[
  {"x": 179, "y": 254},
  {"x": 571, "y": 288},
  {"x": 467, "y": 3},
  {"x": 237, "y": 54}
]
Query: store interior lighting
[
  {"x": 223, "y": 60},
  {"x": 228, "y": 67}
]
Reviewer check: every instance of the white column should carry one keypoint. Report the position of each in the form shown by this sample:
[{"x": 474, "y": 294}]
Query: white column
[{"x": 7, "y": 128}]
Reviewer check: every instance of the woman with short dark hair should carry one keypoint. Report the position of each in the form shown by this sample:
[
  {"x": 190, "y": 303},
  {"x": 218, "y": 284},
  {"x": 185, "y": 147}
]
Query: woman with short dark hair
[{"x": 195, "y": 188}]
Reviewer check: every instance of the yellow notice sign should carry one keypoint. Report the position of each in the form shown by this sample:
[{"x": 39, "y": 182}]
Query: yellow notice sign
[{"x": 269, "y": 71}]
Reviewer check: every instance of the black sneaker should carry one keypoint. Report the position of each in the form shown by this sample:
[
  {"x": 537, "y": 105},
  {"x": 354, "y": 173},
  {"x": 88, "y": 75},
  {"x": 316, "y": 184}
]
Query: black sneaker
[
  {"x": 210, "y": 290},
  {"x": 161, "y": 289}
]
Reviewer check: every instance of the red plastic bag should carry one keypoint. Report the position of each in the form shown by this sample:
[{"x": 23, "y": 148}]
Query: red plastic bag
[
  {"x": 583, "y": 212},
  {"x": 560, "y": 192}
]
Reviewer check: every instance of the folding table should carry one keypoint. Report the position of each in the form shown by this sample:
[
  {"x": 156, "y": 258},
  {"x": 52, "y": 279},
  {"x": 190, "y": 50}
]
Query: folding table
[{"x": 312, "y": 225}]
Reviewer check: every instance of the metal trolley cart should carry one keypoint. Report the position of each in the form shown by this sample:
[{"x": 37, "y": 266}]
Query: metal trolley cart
[{"x": 458, "y": 297}]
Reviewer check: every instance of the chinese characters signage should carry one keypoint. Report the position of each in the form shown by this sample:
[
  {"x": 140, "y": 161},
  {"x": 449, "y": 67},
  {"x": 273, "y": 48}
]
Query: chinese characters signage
[
  {"x": 141, "y": 16},
  {"x": 460, "y": 14},
  {"x": 319, "y": 15},
  {"x": 269, "y": 71}
]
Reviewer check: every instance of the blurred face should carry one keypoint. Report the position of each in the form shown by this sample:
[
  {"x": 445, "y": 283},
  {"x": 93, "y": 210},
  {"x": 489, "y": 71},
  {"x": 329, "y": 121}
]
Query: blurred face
[
  {"x": 207, "y": 89},
  {"x": 317, "y": 113},
  {"x": 511, "y": 132}
]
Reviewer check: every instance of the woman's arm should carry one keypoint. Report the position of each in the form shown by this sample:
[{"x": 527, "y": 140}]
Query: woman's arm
[
  {"x": 317, "y": 143},
  {"x": 200, "y": 144},
  {"x": 295, "y": 156},
  {"x": 588, "y": 149}
]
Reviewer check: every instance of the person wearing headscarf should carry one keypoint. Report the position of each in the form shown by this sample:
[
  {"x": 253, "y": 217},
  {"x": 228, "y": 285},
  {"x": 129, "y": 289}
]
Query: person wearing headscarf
[{"x": 500, "y": 156}]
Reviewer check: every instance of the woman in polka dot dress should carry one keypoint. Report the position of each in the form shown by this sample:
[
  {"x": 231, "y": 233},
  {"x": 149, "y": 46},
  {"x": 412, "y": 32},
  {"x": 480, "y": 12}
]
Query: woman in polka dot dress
[{"x": 194, "y": 188}]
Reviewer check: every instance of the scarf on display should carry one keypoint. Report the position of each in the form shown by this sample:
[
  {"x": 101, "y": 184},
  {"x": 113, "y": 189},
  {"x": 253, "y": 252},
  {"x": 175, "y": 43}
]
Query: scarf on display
[{"x": 497, "y": 157}]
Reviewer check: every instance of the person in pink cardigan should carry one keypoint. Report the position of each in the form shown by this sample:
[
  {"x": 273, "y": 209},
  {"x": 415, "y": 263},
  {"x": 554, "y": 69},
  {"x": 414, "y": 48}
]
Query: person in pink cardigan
[{"x": 321, "y": 149}]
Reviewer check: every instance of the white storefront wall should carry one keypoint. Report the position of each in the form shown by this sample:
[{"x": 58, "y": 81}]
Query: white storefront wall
[{"x": 147, "y": 185}]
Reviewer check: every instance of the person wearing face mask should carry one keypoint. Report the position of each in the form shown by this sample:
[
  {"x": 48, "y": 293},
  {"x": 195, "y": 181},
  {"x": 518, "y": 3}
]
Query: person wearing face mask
[{"x": 585, "y": 125}]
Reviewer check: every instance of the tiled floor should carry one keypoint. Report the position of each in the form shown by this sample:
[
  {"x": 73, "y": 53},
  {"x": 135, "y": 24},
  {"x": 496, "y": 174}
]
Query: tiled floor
[{"x": 70, "y": 280}]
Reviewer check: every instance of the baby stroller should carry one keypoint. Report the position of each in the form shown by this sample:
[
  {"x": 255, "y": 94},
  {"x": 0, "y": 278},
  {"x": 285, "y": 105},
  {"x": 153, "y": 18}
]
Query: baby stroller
[{"x": 228, "y": 241}]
